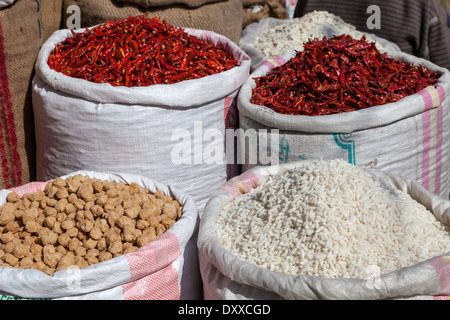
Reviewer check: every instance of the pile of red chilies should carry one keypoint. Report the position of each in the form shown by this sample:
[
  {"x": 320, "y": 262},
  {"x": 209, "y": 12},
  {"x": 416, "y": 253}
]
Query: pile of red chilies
[
  {"x": 138, "y": 51},
  {"x": 336, "y": 75}
]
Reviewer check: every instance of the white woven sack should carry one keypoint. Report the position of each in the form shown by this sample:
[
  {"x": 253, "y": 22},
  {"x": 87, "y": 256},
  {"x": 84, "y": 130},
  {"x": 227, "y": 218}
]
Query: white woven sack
[
  {"x": 253, "y": 30},
  {"x": 6, "y": 3},
  {"x": 410, "y": 137},
  {"x": 165, "y": 269},
  {"x": 227, "y": 277},
  {"x": 159, "y": 131}
]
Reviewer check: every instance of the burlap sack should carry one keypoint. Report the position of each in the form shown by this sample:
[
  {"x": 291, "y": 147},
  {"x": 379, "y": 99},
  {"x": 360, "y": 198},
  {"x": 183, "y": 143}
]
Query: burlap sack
[
  {"x": 158, "y": 3},
  {"x": 223, "y": 17},
  {"x": 51, "y": 17},
  {"x": 20, "y": 40}
]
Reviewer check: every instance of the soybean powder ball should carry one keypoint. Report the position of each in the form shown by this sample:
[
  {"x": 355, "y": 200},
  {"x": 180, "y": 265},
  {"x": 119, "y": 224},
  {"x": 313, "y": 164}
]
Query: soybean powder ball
[{"x": 330, "y": 219}]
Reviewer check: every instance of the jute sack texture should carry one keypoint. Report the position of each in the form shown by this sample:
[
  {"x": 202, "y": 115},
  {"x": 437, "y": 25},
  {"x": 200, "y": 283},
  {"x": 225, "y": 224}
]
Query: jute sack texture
[
  {"x": 158, "y": 3},
  {"x": 20, "y": 40},
  {"x": 51, "y": 17},
  {"x": 222, "y": 17}
]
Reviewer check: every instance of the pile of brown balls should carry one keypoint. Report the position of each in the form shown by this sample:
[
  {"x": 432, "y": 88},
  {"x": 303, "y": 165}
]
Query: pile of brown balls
[{"x": 80, "y": 221}]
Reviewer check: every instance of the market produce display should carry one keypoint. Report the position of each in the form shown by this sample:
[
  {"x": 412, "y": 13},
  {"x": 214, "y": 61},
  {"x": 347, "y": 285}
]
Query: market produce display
[
  {"x": 338, "y": 74},
  {"x": 138, "y": 51},
  {"x": 351, "y": 205},
  {"x": 330, "y": 219},
  {"x": 293, "y": 33},
  {"x": 80, "y": 221}
]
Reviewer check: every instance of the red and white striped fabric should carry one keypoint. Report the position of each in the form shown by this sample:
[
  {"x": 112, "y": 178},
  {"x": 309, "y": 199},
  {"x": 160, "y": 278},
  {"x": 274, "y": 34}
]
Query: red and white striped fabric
[
  {"x": 432, "y": 143},
  {"x": 29, "y": 188},
  {"x": 152, "y": 267},
  {"x": 165, "y": 269}
]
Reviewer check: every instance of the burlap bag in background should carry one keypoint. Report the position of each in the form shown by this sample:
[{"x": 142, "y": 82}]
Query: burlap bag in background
[
  {"x": 270, "y": 8},
  {"x": 20, "y": 40},
  {"x": 224, "y": 17},
  {"x": 158, "y": 3},
  {"x": 51, "y": 17}
]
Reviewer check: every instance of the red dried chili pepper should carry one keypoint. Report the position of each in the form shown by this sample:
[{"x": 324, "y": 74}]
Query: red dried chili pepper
[
  {"x": 138, "y": 51},
  {"x": 339, "y": 74}
]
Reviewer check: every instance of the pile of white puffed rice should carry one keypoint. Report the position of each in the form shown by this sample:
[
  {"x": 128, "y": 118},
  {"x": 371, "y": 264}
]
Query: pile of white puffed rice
[
  {"x": 291, "y": 35},
  {"x": 330, "y": 219}
]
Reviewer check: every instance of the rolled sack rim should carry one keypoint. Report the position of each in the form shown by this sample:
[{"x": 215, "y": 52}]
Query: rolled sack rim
[
  {"x": 200, "y": 91},
  {"x": 346, "y": 122}
]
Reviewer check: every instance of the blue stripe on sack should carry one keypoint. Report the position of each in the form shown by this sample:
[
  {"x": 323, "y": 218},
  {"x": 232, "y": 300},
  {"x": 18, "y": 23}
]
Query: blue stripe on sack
[{"x": 343, "y": 141}]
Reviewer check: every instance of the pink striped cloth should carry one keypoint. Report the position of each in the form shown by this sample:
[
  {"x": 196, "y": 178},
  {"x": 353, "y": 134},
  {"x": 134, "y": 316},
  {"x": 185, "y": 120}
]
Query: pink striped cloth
[
  {"x": 442, "y": 266},
  {"x": 432, "y": 123},
  {"x": 153, "y": 276}
]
